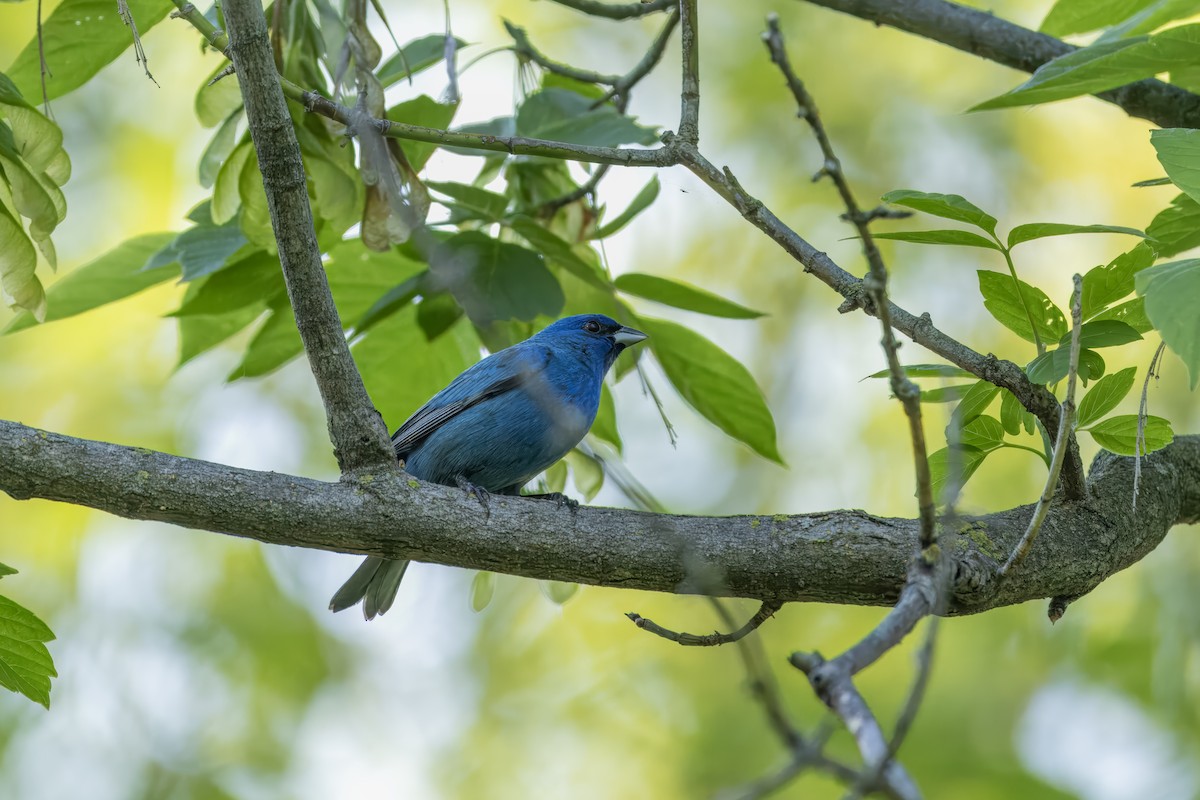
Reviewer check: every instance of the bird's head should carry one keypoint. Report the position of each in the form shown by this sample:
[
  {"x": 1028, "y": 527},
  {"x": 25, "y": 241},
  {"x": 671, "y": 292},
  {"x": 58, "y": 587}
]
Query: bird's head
[{"x": 594, "y": 334}]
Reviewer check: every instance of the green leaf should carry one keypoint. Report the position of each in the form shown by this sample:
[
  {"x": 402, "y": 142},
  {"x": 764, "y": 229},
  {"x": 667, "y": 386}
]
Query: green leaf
[
  {"x": 79, "y": 38},
  {"x": 605, "y": 425},
  {"x": 226, "y": 197},
  {"x": 115, "y": 275},
  {"x": 6, "y": 570},
  {"x": 200, "y": 333},
  {"x": 926, "y": 371},
  {"x": 1053, "y": 365},
  {"x": 645, "y": 197},
  {"x": 1102, "y": 398},
  {"x": 390, "y": 302},
  {"x": 1176, "y": 228},
  {"x": 1103, "y": 285},
  {"x": 948, "y": 206},
  {"x": 586, "y": 473},
  {"x": 219, "y": 149},
  {"x": 1040, "y": 230},
  {"x": 959, "y": 464},
  {"x": 255, "y": 278},
  {"x": 555, "y": 478},
  {"x": 1153, "y": 16},
  {"x": 494, "y": 280},
  {"x": 560, "y": 251},
  {"x": 1179, "y": 152},
  {"x": 1104, "y": 65},
  {"x": 1132, "y": 313},
  {"x": 1172, "y": 293},
  {"x": 558, "y": 592},
  {"x": 1151, "y": 182},
  {"x": 1082, "y": 16},
  {"x": 418, "y": 56},
  {"x": 1011, "y": 413},
  {"x": 424, "y": 111},
  {"x": 202, "y": 250},
  {"x": 1119, "y": 434},
  {"x": 974, "y": 402},
  {"x": 25, "y": 663},
  {"x": 715, "y": 384},
  {"x": 963, "y": 238},
  {"x": 217, "y": 99},
  {"x": 489, "y": 205},
  {"x": 564, "y": 116},
  {"x": 18, "y": 265},
  {"x": 946, "y": 394},
  {"x": 984, "y": 432},
  {"x": 682, "y": 295},
  {"x": 436, "y": 313},
  {"x": 483, "y": 587},
  {"x": 1001, "y": 299},
  {"x": 1102, "y": 333}
]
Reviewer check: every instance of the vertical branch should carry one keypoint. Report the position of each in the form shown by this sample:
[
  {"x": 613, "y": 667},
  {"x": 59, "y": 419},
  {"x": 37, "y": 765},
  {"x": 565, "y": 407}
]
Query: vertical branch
[
  {"x": 359, "y": 438},
  {"x": 689, "y": 96}
]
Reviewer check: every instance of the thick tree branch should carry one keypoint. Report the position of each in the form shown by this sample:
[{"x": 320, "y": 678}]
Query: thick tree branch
[
  {"x": 360, "y": 440},
  {"x": 998, "y": 40},
  {"x": 838, "y": 556}
]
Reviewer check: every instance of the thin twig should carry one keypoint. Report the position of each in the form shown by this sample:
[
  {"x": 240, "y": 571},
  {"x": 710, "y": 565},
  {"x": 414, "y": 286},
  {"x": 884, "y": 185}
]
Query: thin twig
[
  {"x": 1143, "y": 412},
  {"x": 875, "y": 284},
  {"x": 764, "y": 613},
  {"x": 42, "y": 65},
  {"x": 1065, "y": 426},
  {"x": 596, "y": 8},
  {"x": 127, "y": 17}
]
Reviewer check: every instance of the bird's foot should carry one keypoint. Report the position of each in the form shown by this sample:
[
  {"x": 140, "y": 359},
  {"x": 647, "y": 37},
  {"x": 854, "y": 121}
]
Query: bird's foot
[
  {"x": 558, "y": 498},
  {"x": 478, "y": 492}
]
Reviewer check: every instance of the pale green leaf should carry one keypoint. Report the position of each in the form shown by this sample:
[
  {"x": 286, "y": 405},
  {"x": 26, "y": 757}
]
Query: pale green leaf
[
  {"x": 1102, "y": 398},
  {"x": 948, "y": 206},
  {"x": 1172, "y": 293},
  {"x": 681, "y": 295},
  {"x": 1119, "y": 434}
]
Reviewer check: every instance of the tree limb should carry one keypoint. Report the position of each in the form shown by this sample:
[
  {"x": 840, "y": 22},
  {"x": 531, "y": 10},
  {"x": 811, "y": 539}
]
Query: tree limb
[
  {"x": 846, "y": 557},
  {"x": 987, "y": 36},
  {"x": 360, "y": 440}
]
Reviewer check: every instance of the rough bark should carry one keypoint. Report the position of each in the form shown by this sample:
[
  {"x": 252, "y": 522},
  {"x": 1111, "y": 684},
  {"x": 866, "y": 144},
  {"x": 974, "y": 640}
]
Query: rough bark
[{"x": 849, "y": 557}]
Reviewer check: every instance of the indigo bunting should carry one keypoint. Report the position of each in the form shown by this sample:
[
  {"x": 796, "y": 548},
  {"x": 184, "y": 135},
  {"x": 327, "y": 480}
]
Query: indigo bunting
[{"x": 497, "y": 425}]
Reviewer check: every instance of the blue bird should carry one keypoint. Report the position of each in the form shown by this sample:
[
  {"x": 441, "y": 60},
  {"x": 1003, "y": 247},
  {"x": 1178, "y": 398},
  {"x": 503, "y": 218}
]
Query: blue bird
[{"x": 497, "y": 425}]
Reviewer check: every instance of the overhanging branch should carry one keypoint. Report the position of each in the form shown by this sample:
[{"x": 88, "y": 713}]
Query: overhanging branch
[{"x": 846, "y": 557}]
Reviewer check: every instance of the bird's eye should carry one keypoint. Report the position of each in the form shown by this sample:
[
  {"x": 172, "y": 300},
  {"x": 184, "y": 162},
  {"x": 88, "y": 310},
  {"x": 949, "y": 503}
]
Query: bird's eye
[{"x": 591, "y": 326}]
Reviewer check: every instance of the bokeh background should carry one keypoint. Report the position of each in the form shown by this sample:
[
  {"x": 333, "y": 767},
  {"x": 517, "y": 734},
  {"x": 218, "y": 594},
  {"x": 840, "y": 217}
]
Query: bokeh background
[{"x": 193, "y": 665}]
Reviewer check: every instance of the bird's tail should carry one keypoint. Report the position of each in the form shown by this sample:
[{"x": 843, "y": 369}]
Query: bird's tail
[{"x": 374, "y": 583}]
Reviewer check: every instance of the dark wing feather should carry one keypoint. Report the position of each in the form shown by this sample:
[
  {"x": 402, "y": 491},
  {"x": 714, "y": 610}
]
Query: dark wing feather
[{"x": 495, "y": 375}]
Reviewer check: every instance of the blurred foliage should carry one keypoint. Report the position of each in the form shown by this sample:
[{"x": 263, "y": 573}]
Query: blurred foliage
[{"x": 198, "y": 667}]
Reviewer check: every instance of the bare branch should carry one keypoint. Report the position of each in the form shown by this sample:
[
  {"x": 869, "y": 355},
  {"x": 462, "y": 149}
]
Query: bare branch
[
  {"x": 764, "y": 613},
  {"x": 360, "y": 440},
  {"x": 988, "y": 36},
  {"x": 1066, "y": 427},
  {"x": 689, "y": 94}
]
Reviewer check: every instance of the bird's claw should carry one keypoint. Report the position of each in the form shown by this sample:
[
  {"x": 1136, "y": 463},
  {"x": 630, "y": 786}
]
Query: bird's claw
[
  {"x": 478, "y": 492},
  {"x": 561, "y": 500}
]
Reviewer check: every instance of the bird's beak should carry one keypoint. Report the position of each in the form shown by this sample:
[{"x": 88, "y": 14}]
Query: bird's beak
[{"x": 628, "y": 336}]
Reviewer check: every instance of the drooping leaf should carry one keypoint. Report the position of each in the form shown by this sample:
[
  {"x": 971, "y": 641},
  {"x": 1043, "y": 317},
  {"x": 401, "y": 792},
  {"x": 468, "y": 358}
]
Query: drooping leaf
[
  {"x": 1001, "y": 299},
  {"x": 494, "y": 280},
  {"x": 25, "y": 663},
  {"x": 415, "y": 57},
  {"x": 1178, "y": 151},
  {"x": 948, "y": 206},
  {"x": 1104, "y": 65},
  {"x": 1053, "y": 365},
  {"x": 558, "y": 592},
  {"x": 18, "y": 265},
  {"x": 1102, "y": 398},
  {"x": 953, "y": 466},
  {"x": 952, "y": 237},
  {"x": 1041, "y": 230},
  {"x": 559, "y": 251},
  {"x": 80, "y": 37},
  {"x": 681, "y": 295},
  {"x": 1177, "y": 227},
  {"x": 113, "y": 276},
  {"x": 715, "y": 384},
  {"x": 219, "y": 149},
  {"x": 1103, "y": 285},
  {"x": 587, "y": 475},
  {"x": 217, "y": 97},
  {"x": 483, "y": 587},
  {"x": 1172, "y": 293},
  {"x": 1011, "y": 412},
  {"x": 1119, "y": 434},
  {"x": 565, "y": 116},
  {"x": 605, "y": 424},
  {"x": 641, "y": 202}
]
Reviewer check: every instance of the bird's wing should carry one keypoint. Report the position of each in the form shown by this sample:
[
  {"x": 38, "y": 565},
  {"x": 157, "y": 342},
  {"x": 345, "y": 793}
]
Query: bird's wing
[{"x": 493, "y": 376}]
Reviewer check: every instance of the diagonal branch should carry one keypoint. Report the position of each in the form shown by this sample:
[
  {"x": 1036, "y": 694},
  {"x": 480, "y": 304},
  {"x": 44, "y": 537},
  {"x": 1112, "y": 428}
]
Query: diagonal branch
[
  {"x": 764, "y": 613},
  {"x": 988, "y": 36},
  {"x": 360, "y": 440}
]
